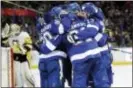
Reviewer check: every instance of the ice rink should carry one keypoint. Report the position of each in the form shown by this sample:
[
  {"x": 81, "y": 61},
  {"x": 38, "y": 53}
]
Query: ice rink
[{"x": 122, "y": 76}]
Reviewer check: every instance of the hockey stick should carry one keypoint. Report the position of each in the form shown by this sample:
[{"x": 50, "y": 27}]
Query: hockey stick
[{"x": 121, "y": 51}]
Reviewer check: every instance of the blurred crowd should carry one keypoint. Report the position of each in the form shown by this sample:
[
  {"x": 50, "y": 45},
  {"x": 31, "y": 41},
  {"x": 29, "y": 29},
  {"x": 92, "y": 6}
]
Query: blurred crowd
[{"x": 118, "y": 18}]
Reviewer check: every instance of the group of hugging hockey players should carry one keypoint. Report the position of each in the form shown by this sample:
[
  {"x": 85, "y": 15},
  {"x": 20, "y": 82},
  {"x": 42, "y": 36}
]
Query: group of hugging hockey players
[
  {"x": 80, "y": 30},
  {"x": 73, "y": 33}
]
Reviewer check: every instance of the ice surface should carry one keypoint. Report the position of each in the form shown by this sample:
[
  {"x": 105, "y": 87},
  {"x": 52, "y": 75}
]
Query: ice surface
[{"x": 122, "y": 76}]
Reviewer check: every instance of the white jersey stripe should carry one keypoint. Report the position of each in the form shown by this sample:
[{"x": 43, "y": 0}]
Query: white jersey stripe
[
  {"x": 50, "y": 45},
  {"x": 61, "y": 29},
  {"x": 98, "y": 37},
  {"x": 53, "y": 53},
  {"x": 85, "y": 54},
  {"x": 93, "y": 26}
]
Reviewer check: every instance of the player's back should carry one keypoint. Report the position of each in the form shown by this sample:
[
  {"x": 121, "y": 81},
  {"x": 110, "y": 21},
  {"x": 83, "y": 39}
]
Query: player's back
[{"x": 85, "y": 46}]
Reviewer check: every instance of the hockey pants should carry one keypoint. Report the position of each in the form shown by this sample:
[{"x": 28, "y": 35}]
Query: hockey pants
[
  {"x": 49, "y": 73},
  {"x": 99, "y": 74},
  {"x": 94, "y": 66},
  {"x": 107, "y": 61}
]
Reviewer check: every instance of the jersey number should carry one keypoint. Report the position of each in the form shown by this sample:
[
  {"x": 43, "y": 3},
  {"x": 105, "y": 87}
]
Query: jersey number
[
  {"x": 72, "y": 36},
  {"x": 46, "y": 36}
]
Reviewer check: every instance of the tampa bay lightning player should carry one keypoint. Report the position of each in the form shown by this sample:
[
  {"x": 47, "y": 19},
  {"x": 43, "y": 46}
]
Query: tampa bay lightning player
[
  {"x": 96, "y": 14},
  {"x": 49, "y": 58},
  {"x": 82, "y": 48}
]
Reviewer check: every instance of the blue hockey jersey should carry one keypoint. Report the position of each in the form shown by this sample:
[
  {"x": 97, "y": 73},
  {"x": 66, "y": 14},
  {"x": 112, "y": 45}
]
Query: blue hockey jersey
[
  {"x": 51, "y": 41},
  {"x": 90, "y": 30},
  {"x": 100, "y": 23},
  {"x": 102, "y": 38},
  {"x": 81, "y": 45},
  {"x": 55, "y": 27}
]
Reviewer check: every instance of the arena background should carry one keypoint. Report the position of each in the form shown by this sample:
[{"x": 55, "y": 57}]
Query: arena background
[
  {"x": 118, "y": 22},
  {"x": 118, "y": 16}
]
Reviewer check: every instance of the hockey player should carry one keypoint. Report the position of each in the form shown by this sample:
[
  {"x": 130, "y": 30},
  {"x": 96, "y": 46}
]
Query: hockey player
[
  {"x": 82, "y": 48},
  {"x": 49, "y": 58},
  {"x": 66, "y": 64},
  {"x": 96, "y": 14},
  {"x": 21, "y": 44}
]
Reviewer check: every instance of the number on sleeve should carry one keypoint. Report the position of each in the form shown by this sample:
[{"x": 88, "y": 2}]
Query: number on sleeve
[{"x": 72, "y": 37}]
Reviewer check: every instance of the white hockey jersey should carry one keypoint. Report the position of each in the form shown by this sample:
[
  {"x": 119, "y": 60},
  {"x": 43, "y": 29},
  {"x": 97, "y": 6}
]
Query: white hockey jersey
[{"x": 17, "y": 42}]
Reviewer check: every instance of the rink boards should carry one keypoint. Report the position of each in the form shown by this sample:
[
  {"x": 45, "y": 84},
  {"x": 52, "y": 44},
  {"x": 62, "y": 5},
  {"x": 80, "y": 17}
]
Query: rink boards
[
  {"x": 123, "y": 56},
  {"x": 120, "y": 60}
]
